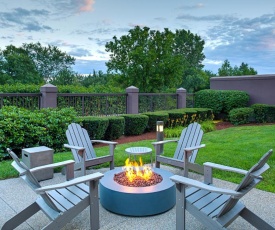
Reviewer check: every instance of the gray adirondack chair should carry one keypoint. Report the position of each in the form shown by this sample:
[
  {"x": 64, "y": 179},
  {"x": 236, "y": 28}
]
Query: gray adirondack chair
[
  {"x": 186, "y": 150},
  {"x": 60, "y": 202},
  {"x": 217, "y": 208},
  {"x": 83, "y": 151}
]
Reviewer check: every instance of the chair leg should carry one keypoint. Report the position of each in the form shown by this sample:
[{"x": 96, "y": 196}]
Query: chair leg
[
  {"x": 94, "y": 205},
  {"x": 180, "y": 206},
  {"x": 255, "y": 220},
  {"x": 21, "y": 217}
]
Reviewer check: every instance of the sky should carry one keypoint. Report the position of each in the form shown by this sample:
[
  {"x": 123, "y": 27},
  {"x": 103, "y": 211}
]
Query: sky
[{"x": 236, "y": 30}]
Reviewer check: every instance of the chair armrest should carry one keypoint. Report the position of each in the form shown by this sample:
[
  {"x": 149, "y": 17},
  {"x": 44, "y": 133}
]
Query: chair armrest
[
  {"x": 78, "y": 180},
  {"x": 105, "y": 142},
  {"x": 224, "y": 168},
  {"x": 74, "y": 147},
  {"x": 54, "y": 165},
  {"x": 193, "y": 183},
  {"x": 163, "y": 142},
  {"x": 194, "y": 147}
]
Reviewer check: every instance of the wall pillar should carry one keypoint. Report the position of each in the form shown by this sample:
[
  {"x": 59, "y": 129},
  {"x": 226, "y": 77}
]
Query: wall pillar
[
  {"x": 49, "y": 96},
  {"x": 132, "y": 100},
  {"x": 181, "y": 98}
]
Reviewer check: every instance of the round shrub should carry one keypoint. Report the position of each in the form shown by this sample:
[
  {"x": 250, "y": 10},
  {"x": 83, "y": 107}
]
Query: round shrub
[
  {"x": 95, "y": 126},
  {"x": 135, "y": 124},
  {"x": 115, "y": 128},
  {"x": 241, "y": 115}
]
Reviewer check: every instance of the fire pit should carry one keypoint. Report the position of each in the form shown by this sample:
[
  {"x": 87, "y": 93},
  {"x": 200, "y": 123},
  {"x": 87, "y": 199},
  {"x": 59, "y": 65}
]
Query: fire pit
[{"x": 137, "y": 201}]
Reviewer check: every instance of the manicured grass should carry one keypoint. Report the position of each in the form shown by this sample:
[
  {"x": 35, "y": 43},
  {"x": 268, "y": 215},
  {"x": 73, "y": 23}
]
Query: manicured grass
[{"x": 239, "y": 147}]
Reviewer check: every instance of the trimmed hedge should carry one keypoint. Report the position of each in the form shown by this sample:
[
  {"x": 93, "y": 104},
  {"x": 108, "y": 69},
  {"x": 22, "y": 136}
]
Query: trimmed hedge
[
  {"x": 154, "y": 117},
  {"x": 241, "y": 115},
  {"x": 221, "y": 101},
  {"x": 95, "y": 126},
  {"x": 135, "y": 124},
  {"x": 264, "y": 113},
  {"x": 183, "y": 117},
  {"x": 21, "y": 128},
  {"x": 115, "y": 128}
]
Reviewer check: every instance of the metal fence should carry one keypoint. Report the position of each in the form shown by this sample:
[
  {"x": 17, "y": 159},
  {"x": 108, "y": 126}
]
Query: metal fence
[
  {"x": 96, "y": 104},
  {"x": 150, "y": 102},
  {"x": 25, "y": 100},
  {"x": 93, "y": 104}
]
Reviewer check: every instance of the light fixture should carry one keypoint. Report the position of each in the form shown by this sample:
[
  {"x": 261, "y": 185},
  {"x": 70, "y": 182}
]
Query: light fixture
[{"x": 160, "y": 134}]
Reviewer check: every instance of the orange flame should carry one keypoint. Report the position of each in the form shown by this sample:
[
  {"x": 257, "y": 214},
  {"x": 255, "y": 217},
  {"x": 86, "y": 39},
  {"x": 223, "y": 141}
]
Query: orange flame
[{"x": 133, "y": 170}]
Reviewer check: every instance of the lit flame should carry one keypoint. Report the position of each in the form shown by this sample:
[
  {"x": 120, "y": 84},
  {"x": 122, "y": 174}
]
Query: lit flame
[{"x": 133, "y": 170}]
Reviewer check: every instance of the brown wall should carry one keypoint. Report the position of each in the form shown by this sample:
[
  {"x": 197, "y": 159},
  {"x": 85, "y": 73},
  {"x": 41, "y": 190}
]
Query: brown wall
[{"x": 261, "y": 88}]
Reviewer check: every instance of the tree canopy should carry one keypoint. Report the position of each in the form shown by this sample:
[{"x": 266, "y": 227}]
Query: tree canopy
[
  {"x": 227, "y": 70},
  {"x": 33, "y": 63},
  {"x": 152, "y": 60}
]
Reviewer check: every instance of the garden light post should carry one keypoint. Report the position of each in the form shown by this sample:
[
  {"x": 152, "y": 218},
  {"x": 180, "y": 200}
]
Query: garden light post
[{"x": 160, "y": 134}]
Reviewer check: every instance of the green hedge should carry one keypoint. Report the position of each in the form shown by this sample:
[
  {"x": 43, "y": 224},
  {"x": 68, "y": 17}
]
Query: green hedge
[
  {"x": 22, "y": 128},
  {"x": 115, "y": 128},
  {"x": 264, "y": 113},
  {"x": 241, "y": 115},
  {"x": 183, "y": 117},
  {"x": 221, "y": 101},
  {"x": 154, "y": 117},
  {"x": 95, "y": 126},
  {"x": 135, "y": 124}
]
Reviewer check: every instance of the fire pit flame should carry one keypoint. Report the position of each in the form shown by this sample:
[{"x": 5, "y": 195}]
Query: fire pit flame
[{"x": 134, "y": 170}]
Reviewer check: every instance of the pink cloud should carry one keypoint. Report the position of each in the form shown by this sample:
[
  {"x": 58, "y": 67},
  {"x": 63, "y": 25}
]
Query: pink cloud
[{"x": 88, "y": 6}]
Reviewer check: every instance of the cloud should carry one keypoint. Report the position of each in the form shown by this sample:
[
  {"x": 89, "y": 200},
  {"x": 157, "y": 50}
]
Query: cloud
[
  {"x": 80, "y": 52},
  {"x": 192, "y": 7},
  {"x": 25, "y": 19},
  {"x": 88, "y": 6}
]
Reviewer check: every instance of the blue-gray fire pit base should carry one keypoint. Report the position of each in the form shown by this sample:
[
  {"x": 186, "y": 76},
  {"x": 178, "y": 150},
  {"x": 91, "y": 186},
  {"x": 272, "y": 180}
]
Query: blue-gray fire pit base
[{"x": 137, "y": 201}]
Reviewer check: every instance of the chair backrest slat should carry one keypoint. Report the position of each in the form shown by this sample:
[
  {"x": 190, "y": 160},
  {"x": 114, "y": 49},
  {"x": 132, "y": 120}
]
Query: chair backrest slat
[
  {"x": 251, "y": 179},
  {"x": 78, "y": 136},
  {"x": 190, "y": 136}
]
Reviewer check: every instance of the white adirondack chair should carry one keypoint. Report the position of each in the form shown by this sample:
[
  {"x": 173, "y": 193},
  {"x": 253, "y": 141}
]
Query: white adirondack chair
[
  {"x": 60, "y": 202},
  {"x": 83, "y": 151},
  {"x": 186, "y": 150},
  {"x": 217, "y": 208}
]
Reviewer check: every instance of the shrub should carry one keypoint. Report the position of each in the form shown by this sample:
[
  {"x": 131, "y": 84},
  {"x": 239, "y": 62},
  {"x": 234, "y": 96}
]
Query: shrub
[
  {"x": 241, "y": 115},
  {"x": 115, "y": 128},
  {"x": 22, "y": 128},
  {"x": 95, "y": 126},
  {"x": 154, "y": 117},
  {"x": 264, "y": 113},
  {"x": 221, "y": 101},
  {"x": 135, "y": 124}
]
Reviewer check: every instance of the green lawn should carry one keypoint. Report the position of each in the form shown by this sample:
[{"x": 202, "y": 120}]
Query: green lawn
[{"x": 239, "y": 147}]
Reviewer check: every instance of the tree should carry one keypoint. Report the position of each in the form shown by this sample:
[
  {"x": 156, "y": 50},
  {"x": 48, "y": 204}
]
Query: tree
[
  {"x": 33, "y": 63},
  {"x": 17, "y": 67},
  {"x": 49, "y": 61},
  {"x": 227, "y": 70},
  {"x": 152, "y": 60}
]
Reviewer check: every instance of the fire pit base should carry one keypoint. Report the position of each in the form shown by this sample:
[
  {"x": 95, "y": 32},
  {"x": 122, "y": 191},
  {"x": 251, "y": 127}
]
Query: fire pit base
[{"x": 137, "y": 201}]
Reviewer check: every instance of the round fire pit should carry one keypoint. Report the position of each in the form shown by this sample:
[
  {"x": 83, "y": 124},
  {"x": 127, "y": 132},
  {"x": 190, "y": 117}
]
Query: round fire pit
[{"x": 137, "y": 201}]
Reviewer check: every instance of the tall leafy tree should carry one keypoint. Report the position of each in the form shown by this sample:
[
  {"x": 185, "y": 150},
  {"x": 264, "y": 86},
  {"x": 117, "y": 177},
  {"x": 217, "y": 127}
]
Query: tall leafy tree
[
  {"x": 49, "y": 60},
  {"x": 153, "y": 60},
  {"x": 227, "y": 70},
  {"x": 17, "y": 67}
]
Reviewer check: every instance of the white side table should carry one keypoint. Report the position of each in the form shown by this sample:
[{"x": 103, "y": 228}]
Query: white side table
[{"x": 139, "y": 151}]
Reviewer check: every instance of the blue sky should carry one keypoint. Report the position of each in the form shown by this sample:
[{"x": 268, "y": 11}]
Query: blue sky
[{"x": 237, "y": 30}]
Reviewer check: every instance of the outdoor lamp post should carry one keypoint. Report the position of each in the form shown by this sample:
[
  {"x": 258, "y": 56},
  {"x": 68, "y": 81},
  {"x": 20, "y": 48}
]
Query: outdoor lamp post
[{"x": 160, "y": 134}]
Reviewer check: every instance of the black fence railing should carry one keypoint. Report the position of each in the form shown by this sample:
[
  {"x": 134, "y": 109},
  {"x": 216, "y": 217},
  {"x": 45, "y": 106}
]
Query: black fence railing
[
  {"x": 25, "y": 100},
  {"x": 94, "y": 104},
  {"x": 97, "y": 104},
  {"x": 151, "y": 102}
]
